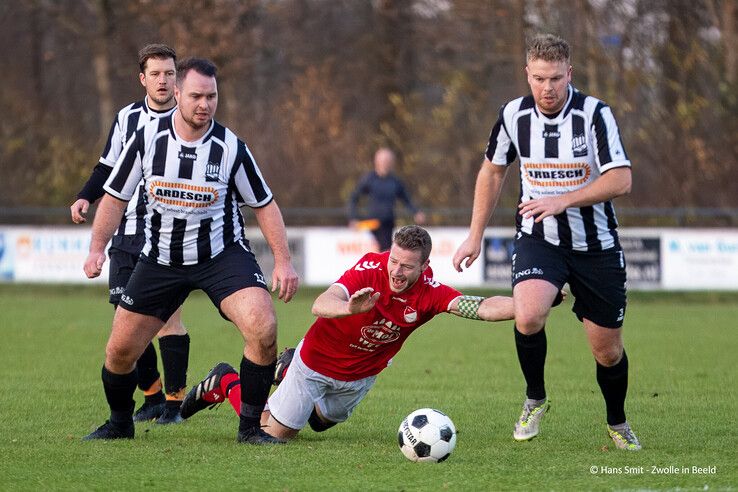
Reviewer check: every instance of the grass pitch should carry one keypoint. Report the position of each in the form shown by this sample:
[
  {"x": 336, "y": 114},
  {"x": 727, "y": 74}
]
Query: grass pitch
[{"x": 682, "y": 403}]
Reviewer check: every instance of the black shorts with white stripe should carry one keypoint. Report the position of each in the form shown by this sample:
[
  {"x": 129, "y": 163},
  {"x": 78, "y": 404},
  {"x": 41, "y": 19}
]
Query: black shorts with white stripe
[
  {"x": 158, "y": 290},
  {"x": 596, "y": 278}
]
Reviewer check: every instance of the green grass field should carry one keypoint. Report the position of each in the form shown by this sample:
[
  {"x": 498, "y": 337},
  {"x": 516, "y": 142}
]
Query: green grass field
[{"x": 682, "y": 403}]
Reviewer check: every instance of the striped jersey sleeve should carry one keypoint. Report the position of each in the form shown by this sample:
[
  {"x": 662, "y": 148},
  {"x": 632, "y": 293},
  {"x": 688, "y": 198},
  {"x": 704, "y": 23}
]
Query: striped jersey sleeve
[
  {"x": 127, "y": 173},
  {"x": 249, "y": 183},
  {"x": 609, "y": 150},
  {"x": 500, "y": 148}
]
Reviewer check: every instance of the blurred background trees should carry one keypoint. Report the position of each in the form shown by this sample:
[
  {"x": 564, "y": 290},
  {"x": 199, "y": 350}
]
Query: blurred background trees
[{"x": 314, "y": 86}]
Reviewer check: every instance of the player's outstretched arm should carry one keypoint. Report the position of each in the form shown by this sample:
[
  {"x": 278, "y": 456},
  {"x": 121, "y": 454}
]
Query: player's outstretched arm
[
  {"x": 334, "y": 303},
  {"x": 107, "y": 220},
  {"x": 496, "y": 308}
]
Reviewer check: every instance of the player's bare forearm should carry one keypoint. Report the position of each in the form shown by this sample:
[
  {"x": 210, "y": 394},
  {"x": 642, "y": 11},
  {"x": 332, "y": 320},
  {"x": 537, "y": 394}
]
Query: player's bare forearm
[
  {"x": 333, "y": 303},
  {"x": 272, "y": 227},
  {"x": 486, "y": 194},
  {"x": 496, "y": 308},
  {"x": 107, "y": 219},
  {"x": 615, "y": 182}
]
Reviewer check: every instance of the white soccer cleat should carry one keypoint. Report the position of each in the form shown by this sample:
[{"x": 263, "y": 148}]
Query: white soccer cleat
[{"x": 526, "y": 427}]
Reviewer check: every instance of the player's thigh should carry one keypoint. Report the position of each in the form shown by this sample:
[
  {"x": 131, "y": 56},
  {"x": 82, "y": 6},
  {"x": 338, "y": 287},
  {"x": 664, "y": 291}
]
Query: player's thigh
[
  {"x": 597, "y": 282},
  {"x": 342, "y": 398},
  {"x": 539, "y": 270}
]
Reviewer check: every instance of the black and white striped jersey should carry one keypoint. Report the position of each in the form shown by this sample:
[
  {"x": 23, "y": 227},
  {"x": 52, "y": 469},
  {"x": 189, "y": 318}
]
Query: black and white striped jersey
[
  {"x": 192, "y": 190},
  {"x": 559, "y": 155},
  {"x": 127, "y": 121}
]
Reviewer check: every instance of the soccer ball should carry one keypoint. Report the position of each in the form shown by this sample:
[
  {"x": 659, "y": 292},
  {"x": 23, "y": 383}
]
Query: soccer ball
[{"x": 427, "y": 435}]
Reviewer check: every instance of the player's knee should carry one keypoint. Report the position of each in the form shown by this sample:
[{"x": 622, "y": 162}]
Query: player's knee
[
  {"x": 120, "y": 358},
  {"x": 529, "y": 323},
  {"x": 608, "y": 356},
  {"x": 318, "y": 424}
]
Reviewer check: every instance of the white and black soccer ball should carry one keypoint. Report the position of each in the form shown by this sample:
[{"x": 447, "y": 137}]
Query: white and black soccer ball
[{"x": 427, "y": 435}]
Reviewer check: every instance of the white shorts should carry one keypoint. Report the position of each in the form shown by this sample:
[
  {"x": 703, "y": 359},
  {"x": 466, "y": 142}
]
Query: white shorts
[{"x": 302, "y": 389}]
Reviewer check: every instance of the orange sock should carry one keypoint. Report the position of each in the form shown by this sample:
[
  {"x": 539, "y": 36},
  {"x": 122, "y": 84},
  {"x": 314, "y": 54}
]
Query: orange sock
[
  {"x": 154, "y": 388},
  {"x": 178, "y": 396}
]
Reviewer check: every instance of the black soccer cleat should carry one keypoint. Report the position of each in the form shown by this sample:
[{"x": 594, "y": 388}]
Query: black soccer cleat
[
  {"x": 149, "y": 411},
  {"x": 255, "y": 435},
  {"x": 109, "y": 430},
  {"x": 206, "y": 393},
  {"x": 283, "y": 363},
  {"x": 171, "y": 415}
]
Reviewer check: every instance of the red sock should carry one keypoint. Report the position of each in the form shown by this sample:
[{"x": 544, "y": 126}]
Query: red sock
[{"x": 234, "y": 393}]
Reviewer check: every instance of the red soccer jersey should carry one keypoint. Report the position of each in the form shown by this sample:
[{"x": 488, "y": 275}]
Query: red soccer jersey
[{"x": 361, "y": 345}]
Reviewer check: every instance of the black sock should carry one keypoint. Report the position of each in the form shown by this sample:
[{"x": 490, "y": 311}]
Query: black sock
[
  {"x": 613, "y": 383},
  {"x": 532, "y": 356},
  {"x": 175, "y": 354},
  {"x": 119, "y": 389},
  {"x": 146, "y": 365},
  {"x": 256, "y": 381}
]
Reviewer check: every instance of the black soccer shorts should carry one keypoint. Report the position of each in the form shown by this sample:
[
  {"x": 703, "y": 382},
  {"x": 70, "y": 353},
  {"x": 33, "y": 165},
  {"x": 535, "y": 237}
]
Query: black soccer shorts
[
  {"x": 158, "y": 290},
  {"x": 596, "y": 279},
  {"x": 123, "y": 254}
]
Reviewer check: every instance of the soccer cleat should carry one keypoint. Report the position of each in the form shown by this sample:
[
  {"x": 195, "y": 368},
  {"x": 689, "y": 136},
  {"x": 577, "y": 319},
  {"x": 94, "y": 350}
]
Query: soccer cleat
[
  {"x": 255, "y": 435},
  {"x": 526, "y": 427},
  {"x": 283, "y": 363},
  {"x": 109, "y": 430},
  {"x": 148, "y": 411},
  {"x": 206, "y": 393},
  {"x": 171, "y": 415},
  {"x": 624, "y": 437}
]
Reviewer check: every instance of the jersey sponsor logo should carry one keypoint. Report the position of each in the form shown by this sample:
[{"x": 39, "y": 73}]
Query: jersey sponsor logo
[
  {"x": 528, "y": 272},
  {"x": 379, "y": 333},
  {"x": 183, "y": 194},
  {"x": 579, "y": 145},
  {"x": 187, "y": 155},
  {"x": 410, "y": 315},
  {"x": 551, "y": 134},
  {"x": 557, "y": 174},
  {"x": 366, "y": 265}
]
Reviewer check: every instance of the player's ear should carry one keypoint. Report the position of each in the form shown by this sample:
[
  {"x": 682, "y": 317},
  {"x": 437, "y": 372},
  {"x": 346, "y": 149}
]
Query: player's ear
[
  {"x": 142, "y": 79},
  {"x": 425, "y": 265}
]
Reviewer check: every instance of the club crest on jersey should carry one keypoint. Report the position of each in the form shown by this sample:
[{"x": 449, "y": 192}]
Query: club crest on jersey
[
  {"x": 183, "y": 194},
  {"x": 547, "y": 174},
  {"x": 212, "y": 171},
  {"x": 410, "y": 315},
  {"x": 579, "y": 145}
]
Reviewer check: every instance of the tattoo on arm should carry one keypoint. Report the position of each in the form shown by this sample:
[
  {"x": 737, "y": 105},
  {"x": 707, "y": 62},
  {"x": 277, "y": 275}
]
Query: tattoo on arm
[{"x": 469, "y": 306}]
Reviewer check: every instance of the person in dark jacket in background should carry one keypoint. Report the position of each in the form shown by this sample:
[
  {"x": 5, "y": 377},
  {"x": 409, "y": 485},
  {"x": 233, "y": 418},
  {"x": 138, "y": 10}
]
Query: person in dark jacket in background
[{"x": 383, "y": 188}]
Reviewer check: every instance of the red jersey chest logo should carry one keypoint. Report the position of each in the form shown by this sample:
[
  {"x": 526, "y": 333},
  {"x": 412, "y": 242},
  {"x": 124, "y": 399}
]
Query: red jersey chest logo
[
  {"x": 380, "y": 333},
  {"x": 410, "y": 315}
]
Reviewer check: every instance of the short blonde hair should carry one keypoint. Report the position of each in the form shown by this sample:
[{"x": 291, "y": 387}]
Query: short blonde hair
[{"x": 547, "y": 47}]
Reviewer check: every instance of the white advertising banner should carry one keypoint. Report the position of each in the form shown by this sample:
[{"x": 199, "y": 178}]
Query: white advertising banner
[
  {"x": 330, "y": 251},
  {"x": 704, "y": 259},
  {"x": 48, "y": 254}
]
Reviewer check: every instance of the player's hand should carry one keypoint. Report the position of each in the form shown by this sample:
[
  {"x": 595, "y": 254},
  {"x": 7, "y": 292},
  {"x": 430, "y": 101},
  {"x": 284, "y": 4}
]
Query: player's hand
[
  {"x": 285, "y": 276},
  {"x": 363, "y": 300},
  {"x": 541, "y": 208},
  {"x": 468, "y": 250},
  {"x": 79, "y": 211},
  {"x": 93, "y": 264}
]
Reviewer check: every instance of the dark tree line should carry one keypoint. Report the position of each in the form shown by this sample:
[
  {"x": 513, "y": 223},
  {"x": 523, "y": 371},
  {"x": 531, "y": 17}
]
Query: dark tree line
[{"x": 314, "y": 86}]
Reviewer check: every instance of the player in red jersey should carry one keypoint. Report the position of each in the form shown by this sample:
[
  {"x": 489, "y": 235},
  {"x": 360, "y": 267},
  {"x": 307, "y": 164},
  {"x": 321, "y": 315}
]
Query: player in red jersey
[{"x": 363, "y": 320}]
